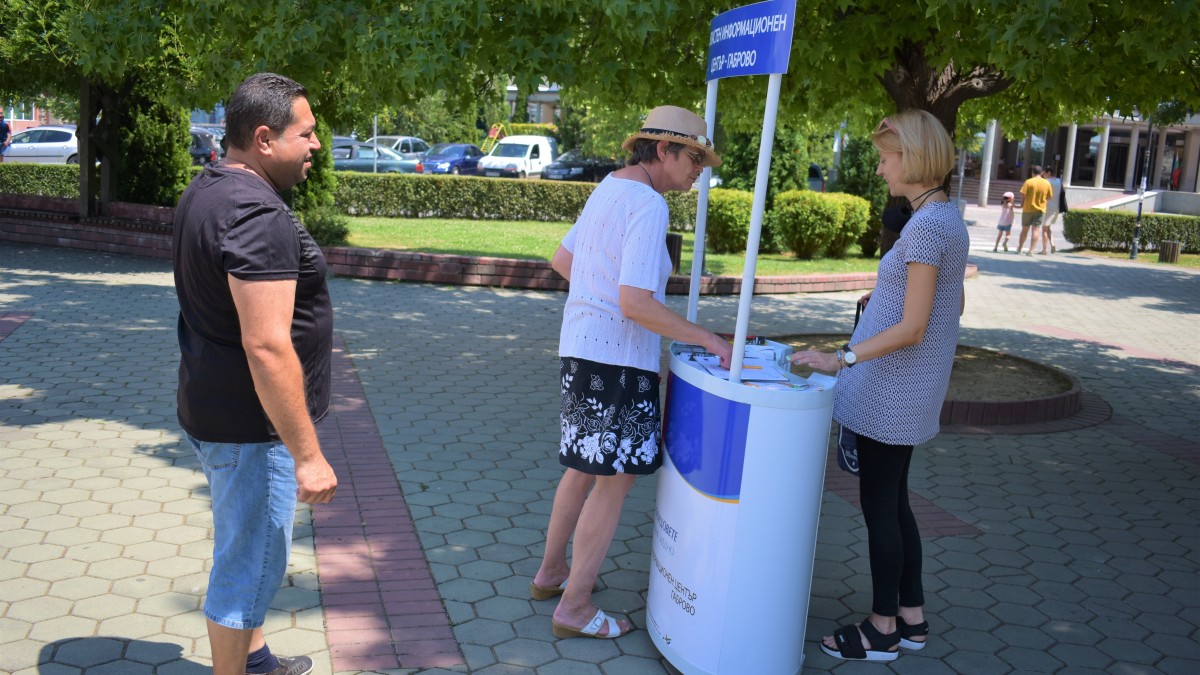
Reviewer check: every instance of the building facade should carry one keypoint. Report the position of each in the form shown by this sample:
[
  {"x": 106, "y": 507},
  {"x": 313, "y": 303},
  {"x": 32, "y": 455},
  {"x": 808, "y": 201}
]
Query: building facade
[{"x": 1110, "y": 153}]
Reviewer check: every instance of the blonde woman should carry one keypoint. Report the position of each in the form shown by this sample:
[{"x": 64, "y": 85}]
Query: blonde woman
[{"x": 893, "y": 375}]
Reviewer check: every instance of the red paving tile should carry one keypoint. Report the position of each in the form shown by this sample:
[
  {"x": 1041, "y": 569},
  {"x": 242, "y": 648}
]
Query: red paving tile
[
  {"x": 931, "y": 518},
  {"x": 10, "y": 321},
  {"x": 1137, "y": 352},
  {"x": 382, "y": 607}
]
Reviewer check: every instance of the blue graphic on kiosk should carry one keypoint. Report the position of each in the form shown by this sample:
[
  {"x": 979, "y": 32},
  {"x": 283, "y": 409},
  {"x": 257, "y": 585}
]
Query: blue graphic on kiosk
[{"x": 708, "y": 446}]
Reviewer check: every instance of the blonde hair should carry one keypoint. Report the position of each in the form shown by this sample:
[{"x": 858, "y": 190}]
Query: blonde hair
[{"x": 926, "y": 151}]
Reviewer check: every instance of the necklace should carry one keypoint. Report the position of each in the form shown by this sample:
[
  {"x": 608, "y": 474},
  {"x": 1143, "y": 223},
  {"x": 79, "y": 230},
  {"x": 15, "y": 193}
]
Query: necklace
[
  {"x": 923, "y": 197},
  {"x": 648, "y": 177}
]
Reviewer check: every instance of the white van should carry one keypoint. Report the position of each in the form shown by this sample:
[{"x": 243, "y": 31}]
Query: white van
[{"x": 519, "y": 156}]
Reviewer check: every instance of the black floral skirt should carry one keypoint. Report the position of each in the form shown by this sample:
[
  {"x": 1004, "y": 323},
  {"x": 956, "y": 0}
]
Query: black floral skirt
[{"x": 610, "y": 418}]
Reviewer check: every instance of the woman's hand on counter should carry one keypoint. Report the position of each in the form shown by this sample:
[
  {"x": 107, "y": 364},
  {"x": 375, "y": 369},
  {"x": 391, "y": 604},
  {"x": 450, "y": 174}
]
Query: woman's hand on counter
[{"x": 823, "y": 361}]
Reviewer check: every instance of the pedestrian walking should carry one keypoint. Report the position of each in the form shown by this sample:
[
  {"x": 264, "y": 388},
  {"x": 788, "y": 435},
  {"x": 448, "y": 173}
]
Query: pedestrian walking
[
  {"x": 893, "y": 376},
  {"x": 1004, "y": 227},
  {"x": 5, "y": 136},
  {"x": 1055, "y": 208},
  {"x": 1035, "y": 193},
  {"x": 615, "y": 258},
  {"x": 255, "y": 337}
]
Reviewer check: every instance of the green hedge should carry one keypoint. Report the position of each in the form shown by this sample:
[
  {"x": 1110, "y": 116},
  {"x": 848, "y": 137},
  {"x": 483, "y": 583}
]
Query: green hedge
[
  {"x": 47, "y": 180},
  {"x": 469, "y": 197},
  {"x": 728, "y": 224},
  {"x": 1113, "y": 230},
  {"x": 854, "y": 221},
  {"x": 811, "y": 223},
  {"x": 530, "y": 129}
]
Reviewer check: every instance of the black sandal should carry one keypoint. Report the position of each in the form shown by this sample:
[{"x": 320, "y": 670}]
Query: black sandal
[
  {"x": 849, "y": 642},
  {"x": 907, "y": 633}
]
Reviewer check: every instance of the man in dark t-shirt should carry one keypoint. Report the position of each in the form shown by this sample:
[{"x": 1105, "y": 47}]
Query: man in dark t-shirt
[
  {"x": 5, "y": 136},
  {"x": 255, "y": 339}
]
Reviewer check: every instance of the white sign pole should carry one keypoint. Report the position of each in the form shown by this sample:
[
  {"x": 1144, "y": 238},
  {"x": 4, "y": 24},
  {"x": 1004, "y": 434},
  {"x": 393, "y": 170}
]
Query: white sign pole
[
  {"x": 756, "y": 218},
  {"x": 710, "y": 117}
]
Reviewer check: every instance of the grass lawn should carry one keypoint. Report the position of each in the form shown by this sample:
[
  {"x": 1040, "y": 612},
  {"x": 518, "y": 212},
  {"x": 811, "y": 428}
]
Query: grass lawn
[
  {"x": 1191, "y": 260},
  {"x": 532, "y": 240}
]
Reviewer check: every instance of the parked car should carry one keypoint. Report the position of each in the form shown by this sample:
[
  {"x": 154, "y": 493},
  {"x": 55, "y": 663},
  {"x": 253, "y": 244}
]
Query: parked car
[
  {"x": 816, "y": 179},
  {"x": 409, "y": 147},
  {"x": 205, "y": 148},
  {"x": 45, "y": 145},
  {"x": 357, "y": 156},
  {"x": 520, "y": 156},
  {"x": 452, "y": 158},
  {"x": 574, "y": 165}
]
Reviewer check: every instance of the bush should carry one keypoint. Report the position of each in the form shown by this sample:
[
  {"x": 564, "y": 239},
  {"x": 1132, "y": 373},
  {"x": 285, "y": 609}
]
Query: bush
[
  {"x": 856, "y": 176},
  {"x": 683, "y": 210},
  {"x": 1113, "y": 230},
  {"x": 728, "y": 225},
  {"x": 318, "y": 190},
  {"x": 327, "y": 225},
  {"x": 422, "y": 196},
  {"x": 530, "y": 129},
  {"x": 854, "y": 221},
  {"x": 806, "y": 221},
  {"x": 154, "y": 157},
  {"x": 47, "y": 180}
]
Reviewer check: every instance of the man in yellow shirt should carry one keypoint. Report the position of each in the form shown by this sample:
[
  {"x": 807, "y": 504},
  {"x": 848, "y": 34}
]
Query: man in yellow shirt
[{"x": 1035, "y": 193}]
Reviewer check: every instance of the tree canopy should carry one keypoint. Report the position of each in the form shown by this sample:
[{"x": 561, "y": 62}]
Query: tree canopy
[{"x": 1030, "y": 63}]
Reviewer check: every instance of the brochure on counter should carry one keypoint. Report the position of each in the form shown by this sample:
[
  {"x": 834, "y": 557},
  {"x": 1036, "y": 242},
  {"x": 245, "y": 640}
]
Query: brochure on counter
[{"x": 759, "y": 368}]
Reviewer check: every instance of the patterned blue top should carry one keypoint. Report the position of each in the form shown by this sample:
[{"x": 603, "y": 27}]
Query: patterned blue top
[{"x": 897, "y": 399}]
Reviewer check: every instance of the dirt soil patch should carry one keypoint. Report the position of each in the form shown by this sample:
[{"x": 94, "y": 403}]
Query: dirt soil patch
[{"x": 978, "y": 375}]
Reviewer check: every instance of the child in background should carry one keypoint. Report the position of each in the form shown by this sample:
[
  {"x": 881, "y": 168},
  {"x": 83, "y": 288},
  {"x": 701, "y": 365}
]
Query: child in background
[{"x": 1006, "y": 221}]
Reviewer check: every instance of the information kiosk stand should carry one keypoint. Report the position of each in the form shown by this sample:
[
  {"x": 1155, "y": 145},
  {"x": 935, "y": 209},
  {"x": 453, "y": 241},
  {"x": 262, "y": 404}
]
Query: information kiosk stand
[
  {"x": 739, "y": 494},
  {"x": 739, "y": 497}
]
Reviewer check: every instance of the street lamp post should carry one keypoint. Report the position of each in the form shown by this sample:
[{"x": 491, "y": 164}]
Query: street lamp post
[{"x": 1137, "y": 224}]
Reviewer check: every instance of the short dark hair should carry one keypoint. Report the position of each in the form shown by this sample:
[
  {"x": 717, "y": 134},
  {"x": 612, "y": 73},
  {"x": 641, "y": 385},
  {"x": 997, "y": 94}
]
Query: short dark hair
[
  {"x": 263, "y": 99},
  {"x": 646, "y": 150}
]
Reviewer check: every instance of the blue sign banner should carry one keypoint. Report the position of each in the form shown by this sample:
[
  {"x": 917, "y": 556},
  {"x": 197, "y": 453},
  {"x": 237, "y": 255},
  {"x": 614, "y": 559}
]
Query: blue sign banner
[{"x": 751, "y": 40}]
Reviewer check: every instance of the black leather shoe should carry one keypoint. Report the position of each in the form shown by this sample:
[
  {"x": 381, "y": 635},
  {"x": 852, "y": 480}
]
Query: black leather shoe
[{"x": 292, "y": 665}]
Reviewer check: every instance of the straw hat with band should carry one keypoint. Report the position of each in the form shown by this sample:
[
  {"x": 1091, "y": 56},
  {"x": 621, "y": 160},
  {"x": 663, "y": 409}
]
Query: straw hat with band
[{"x": 674, "y": 124}]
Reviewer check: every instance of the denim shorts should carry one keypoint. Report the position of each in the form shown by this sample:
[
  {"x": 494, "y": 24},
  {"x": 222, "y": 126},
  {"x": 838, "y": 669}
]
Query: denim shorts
[{"x": 253, "y": 488}]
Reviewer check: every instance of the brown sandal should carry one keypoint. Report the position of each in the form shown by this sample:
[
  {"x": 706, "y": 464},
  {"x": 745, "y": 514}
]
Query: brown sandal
[{"x": 546, "y": 592}]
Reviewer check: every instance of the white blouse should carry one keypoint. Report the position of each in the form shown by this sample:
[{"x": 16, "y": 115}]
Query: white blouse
[{"x": 618, "y": 240}]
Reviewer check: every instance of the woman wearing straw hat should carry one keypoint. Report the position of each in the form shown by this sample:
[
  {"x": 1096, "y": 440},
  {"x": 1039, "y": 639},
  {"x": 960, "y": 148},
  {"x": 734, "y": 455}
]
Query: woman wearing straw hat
[
  {"x": 890, "y": 401},
  {"x": 616, "y": 260}
]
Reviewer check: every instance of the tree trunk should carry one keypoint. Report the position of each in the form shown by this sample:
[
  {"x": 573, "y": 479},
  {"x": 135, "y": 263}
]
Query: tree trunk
[{"x": 913, "y": 83}]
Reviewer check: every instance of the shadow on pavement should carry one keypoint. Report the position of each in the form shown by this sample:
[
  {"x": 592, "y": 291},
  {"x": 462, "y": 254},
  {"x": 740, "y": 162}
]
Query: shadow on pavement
[
  {"x": 1176, "y": 289},
  {"x": 116, "y": 655}
]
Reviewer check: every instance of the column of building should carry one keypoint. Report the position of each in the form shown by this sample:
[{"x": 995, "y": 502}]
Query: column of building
[
  {"x": 1102, "y": 156},
  {"x": 1069, "y": 159},
  {"x": 1131, "y": 164},
  {"x": 987, "y": 162}
]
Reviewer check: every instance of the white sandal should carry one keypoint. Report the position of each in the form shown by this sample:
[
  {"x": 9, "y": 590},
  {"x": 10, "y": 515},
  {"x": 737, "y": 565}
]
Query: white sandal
[{"x": 592, "y": 629}]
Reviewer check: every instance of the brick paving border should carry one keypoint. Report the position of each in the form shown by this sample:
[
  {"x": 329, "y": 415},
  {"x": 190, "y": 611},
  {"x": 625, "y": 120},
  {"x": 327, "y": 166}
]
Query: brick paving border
[
  {"x": 382, "y": 606},
  {"x": 145, "y": 231},
  {"x": 1093, "y": 410}
]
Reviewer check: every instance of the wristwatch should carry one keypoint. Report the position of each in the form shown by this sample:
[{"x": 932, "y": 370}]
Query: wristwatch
[{"x": 850, "y": 357}]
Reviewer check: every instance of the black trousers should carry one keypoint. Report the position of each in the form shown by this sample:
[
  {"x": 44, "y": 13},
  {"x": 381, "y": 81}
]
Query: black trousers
[{"x": 892, "y": 537}]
